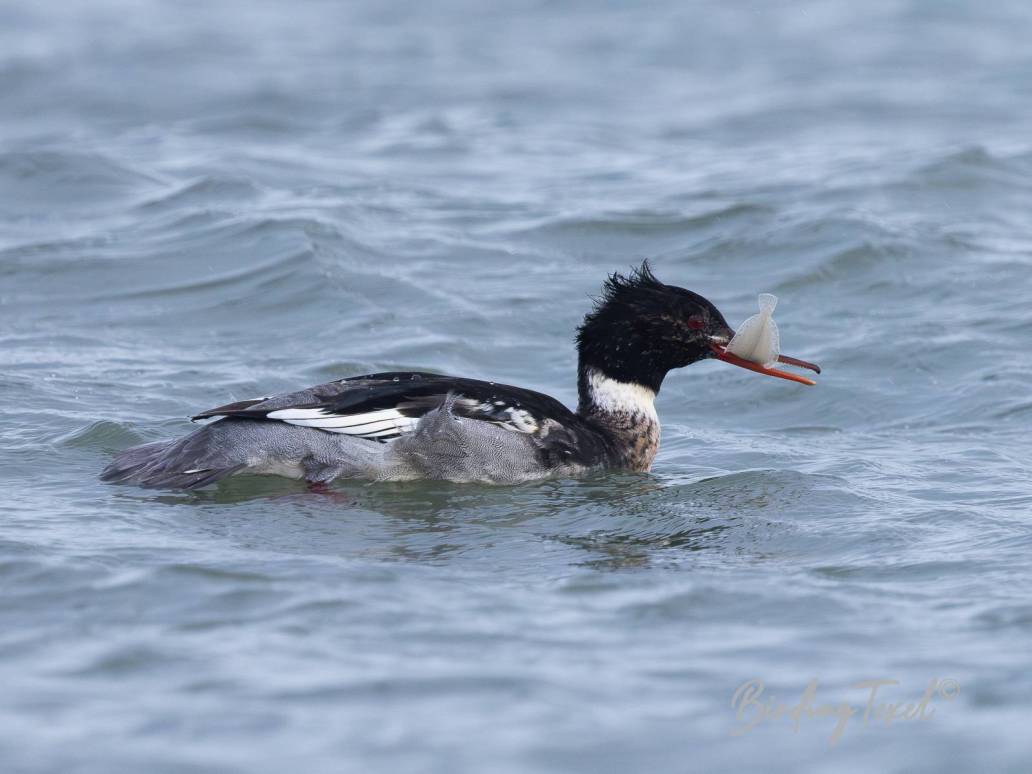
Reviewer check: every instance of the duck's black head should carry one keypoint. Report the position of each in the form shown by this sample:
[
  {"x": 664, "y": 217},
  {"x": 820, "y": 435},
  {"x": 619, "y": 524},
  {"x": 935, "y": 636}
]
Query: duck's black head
[{"x": 640, "y": 329}]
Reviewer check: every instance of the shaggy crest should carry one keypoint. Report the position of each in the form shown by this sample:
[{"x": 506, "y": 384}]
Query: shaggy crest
[{"x": 628, "y": 293}]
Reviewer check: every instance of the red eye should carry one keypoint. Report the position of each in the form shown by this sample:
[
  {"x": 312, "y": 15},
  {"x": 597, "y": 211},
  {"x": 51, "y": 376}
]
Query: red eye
[{"x": 696, "y": 323}]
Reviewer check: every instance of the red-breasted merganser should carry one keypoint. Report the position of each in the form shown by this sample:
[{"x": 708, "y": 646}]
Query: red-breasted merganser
[{"x": 403, "y": 426}]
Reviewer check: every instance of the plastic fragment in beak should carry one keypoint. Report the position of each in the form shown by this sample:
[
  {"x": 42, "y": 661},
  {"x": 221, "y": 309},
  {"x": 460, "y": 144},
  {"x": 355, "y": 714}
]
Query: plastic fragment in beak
[{"x": 757, "y": 339}]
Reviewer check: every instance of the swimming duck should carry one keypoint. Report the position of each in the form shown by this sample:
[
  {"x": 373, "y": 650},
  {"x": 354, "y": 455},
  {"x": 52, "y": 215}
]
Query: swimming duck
[{"x": 409, "y": 425}]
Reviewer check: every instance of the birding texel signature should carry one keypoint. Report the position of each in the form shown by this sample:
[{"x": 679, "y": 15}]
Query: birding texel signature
[{"x": 752, "y": 707}]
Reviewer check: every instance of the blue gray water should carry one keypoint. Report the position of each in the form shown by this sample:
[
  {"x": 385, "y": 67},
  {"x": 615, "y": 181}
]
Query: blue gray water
[{"x": 207, "y": 201}]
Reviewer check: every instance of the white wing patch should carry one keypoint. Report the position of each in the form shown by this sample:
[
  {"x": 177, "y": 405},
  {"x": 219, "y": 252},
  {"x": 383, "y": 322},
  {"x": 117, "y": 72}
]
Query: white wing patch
[
  {"x": 371, "y": 424},
  {"x": 388, "y": 423}
]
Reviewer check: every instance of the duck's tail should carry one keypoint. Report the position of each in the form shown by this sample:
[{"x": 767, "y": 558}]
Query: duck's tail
[{"x": 185, "y": 463}]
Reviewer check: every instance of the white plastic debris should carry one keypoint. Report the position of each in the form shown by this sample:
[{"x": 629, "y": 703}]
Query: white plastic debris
[{"x": 757, "y": 338}]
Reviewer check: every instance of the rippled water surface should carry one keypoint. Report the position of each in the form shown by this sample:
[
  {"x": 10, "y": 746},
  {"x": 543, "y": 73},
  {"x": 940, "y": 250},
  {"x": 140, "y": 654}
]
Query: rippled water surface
[{"x": 207, "y": 201}]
